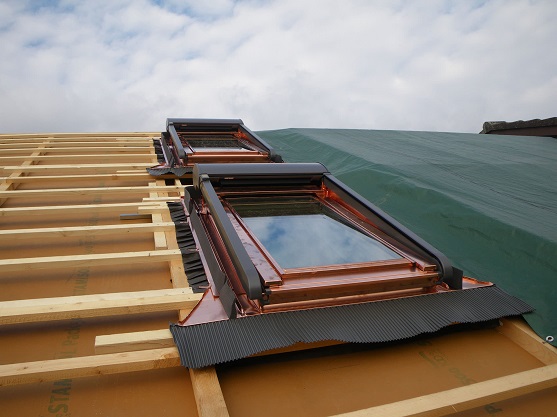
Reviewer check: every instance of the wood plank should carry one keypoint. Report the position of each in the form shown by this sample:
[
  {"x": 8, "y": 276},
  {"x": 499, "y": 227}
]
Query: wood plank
[
  {"x": 78, "y": 208},
  {"x": 87, "y": 158},
  {"x": 78, "y": 167},
  {"x": 160, "y": 237},
  {"x": 56, "y": 192},
  {"x": 126, "y": 342},
  {"x": 74, "y": 261},
  {"x": 97, "y": 137},
  {"x": 87, "y": 366},
  {"x": 158, "y": 199},
  {"x": 77, "y": 231},
  {"x": 83, "y": 150},
  {"x": 143, "y": 144},
  {"x": 83, "y": 177},
  {"x": 96, "y": 305},
  {"x": 468, "y": 397},
  {"x": 69, "y": 142},
  {"x": 153, "y": 208},
  {"x": 520, "y": 333},
  {"x": 177, "y": 273},
  {"x": 208, "y": 393}
]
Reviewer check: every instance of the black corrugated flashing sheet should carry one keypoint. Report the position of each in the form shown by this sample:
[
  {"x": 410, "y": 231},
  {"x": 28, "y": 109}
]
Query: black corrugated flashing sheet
[{"x": 379, "y": 321}]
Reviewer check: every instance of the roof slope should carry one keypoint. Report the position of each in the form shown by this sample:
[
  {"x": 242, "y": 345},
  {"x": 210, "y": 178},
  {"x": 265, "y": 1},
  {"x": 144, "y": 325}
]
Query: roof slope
[
  {"x": 85, "y": 227},
  {"x": 489, "y": 203}
]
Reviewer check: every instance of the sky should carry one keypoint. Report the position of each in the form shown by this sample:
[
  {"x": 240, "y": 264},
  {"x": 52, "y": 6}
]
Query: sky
[{"x": 118, "y": 66}]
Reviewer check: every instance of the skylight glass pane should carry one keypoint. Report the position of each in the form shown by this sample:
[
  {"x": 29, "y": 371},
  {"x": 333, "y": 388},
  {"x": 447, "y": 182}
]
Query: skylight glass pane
[{"x": 302, "y": 233}]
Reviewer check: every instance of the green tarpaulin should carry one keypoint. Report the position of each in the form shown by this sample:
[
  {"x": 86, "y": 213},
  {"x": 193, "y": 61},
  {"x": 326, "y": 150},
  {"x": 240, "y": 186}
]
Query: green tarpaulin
[{"x": 488, "y": 202}]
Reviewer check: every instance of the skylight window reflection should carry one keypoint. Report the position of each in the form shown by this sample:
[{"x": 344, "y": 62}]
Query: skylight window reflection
[{"x": 311, "y": 237}]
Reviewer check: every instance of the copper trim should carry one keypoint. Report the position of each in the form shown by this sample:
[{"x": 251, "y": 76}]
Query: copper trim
[{"x": 352, "y": 299}]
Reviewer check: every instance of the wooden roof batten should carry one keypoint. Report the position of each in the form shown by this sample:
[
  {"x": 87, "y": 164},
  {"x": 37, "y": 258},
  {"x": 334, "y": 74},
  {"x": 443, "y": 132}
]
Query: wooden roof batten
[{"x": 104, "y": 194}]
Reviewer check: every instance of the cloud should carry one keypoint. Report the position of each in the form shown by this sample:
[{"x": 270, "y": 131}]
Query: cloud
[{"x": 126, "y": 66}]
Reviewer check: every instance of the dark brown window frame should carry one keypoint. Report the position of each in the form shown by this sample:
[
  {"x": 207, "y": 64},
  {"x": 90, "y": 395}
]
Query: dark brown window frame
[{"x": 178, "y": 131}]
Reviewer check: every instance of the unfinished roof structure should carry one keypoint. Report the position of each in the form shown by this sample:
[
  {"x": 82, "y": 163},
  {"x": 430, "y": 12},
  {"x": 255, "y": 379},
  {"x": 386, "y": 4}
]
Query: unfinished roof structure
[{"x": 92, "y": 273}]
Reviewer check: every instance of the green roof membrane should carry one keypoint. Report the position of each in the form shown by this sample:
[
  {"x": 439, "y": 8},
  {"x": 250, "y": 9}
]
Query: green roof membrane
[{"x": 488, "y": 202}]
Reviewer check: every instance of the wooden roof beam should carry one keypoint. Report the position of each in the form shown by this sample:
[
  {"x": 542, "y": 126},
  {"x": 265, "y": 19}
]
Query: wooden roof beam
[
  {"x": 521, "y": 334},
  {"x": 208, "y": 393},
  {"x": 97, "y": 137},
  {"x": 78, "y": 167},
  {"x": 468, "y": 397},
  {"x": 78, "y": 208},
  {"x": 121, "y": 157},
  {"x": 83, "y": 150},
  {"x": 90, "y": 177},
  {"x": 75, "y": 145},
  {"x": 50, "y": 192},
  {"x": 96, "y": 305},
  {"x": 87, "y": 366},
  {"x": 125, "y": 342},
  {"x": 77, "y": 231},
  {"x": 74, "y": 261}
]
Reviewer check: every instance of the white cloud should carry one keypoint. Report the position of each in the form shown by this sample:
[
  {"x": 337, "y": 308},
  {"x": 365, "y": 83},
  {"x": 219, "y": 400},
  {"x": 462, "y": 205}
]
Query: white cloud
[{"x": 123, "y": 65}]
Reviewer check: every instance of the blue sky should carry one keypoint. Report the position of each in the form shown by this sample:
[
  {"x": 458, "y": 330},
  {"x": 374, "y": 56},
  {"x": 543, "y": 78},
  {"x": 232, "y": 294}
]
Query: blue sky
[{"x": 115, "y": 65}]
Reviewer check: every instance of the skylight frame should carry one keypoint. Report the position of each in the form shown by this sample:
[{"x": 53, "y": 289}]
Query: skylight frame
[
  {"x": 180, "y": 131},
  {"x": 266, "y": 264},
  {"x": 424, "y": 269}
]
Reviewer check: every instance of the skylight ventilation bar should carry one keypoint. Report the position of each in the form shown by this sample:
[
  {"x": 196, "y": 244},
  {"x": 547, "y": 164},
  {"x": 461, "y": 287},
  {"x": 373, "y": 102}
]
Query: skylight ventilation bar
[{"x": 312, "y": 172}]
